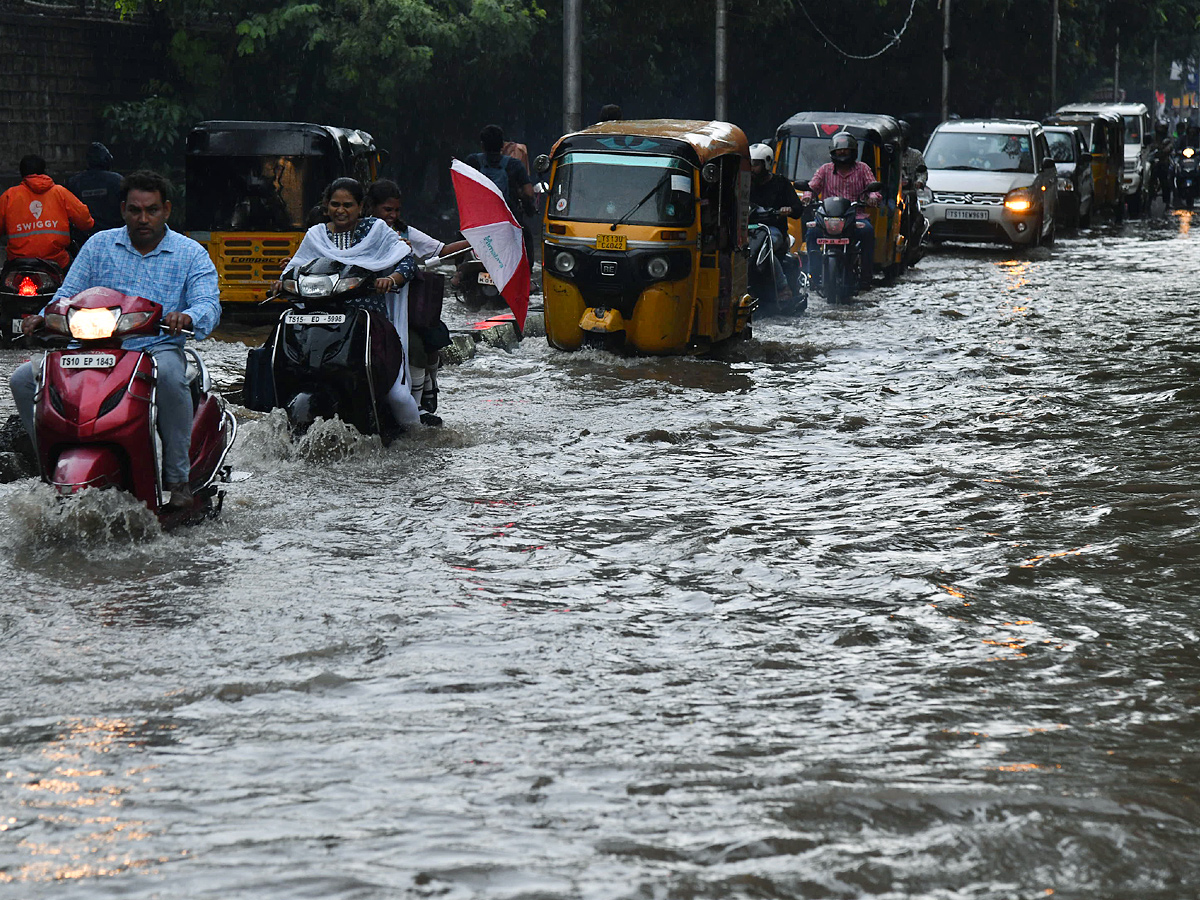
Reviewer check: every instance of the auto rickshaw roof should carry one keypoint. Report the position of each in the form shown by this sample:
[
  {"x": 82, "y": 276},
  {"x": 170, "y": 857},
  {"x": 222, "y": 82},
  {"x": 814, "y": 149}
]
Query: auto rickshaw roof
[
  {"x": 1072, "y": 118},
  {"x": 869, "y": 126},
  {"x": 251, "y": 138},
  {"x": 695, "y": 140}
]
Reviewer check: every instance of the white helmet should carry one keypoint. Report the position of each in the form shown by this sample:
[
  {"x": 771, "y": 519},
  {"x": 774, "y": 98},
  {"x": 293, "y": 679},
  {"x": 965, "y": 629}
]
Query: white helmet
[{"x": 761, "y": 153}]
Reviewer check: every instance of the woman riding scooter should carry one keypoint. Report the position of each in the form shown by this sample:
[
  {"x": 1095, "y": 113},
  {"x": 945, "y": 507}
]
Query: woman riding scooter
[{"x": 844, "y": 176}]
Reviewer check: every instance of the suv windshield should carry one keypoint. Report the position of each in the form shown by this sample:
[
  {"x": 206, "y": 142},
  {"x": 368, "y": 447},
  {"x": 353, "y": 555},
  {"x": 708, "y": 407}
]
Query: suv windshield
[
  {"x": 1062, "y": 146},
  {"x": 989, "y": 152},
  {"x": 604, "y": 187}
]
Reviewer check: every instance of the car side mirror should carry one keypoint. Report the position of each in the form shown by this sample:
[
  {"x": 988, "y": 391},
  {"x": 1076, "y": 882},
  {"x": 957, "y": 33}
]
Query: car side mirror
[
  {"x": 542, "y": 163},
  {"x": 1048, "y": 165}
]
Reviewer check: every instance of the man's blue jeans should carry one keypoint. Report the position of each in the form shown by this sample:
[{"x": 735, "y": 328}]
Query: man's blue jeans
[{"x": 174, "y": 408}]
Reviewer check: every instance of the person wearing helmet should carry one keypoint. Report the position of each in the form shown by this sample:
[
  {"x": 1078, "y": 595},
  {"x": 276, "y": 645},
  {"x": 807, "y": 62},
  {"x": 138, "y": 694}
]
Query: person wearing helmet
[
  {"x": 99, "y": 188},
  {"x": 774, "y": 192},
  {"x": 844, "y": 176}
]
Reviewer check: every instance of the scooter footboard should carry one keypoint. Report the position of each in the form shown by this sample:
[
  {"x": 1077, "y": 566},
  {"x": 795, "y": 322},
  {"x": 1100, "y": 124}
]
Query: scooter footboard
[{"x": 93, "y": 465}]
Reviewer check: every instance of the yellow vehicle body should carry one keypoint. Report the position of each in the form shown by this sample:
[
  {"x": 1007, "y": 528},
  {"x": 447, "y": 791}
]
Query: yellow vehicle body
[
  {"x": 661, "y": 277},
  {"x": 250, "y": 189},
  {"x": 1105, "y": 136},
  {"x": 802, "y": 146}
]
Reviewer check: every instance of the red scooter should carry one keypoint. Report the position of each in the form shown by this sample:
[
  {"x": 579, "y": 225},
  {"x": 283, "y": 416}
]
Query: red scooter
[{"x": 95, "y": 413}]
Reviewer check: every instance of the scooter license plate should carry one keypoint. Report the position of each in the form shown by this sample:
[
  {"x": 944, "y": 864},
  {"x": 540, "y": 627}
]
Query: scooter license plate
[
  {"x": 821, "y": 242},
  {"x": 485, "y": 278},
  {"x": 16, "y": 326},
  {"x": 88, "y": 361},
  {"x": 316, "y": 318}
]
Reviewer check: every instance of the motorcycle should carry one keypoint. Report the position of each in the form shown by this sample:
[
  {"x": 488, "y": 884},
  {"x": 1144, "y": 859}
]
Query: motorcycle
[
  {"x": 790, "y": 298},
  {"x": 841, "y": 263},
  {"x": 95, "y": 413},
  {"x": 475, "y": 288},
  {"x": 1185, "y": 177},
  {"x": 324, "y": 359},
  {"x": 26, "y": 286}
]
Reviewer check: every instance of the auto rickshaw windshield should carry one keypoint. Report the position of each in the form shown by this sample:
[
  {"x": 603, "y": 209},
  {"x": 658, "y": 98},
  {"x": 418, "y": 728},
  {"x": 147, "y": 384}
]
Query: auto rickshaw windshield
[
  {"x": 255, "y": 193},
  {"x": 607, "y": 187},
  {"x": 802, "y": 156}
]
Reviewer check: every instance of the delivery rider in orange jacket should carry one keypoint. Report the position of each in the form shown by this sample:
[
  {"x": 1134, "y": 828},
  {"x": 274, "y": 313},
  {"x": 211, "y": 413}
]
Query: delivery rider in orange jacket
[{"x": 36, "y": 216}]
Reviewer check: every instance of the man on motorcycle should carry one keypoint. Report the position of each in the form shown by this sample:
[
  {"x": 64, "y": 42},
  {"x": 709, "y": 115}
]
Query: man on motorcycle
[
  {"x": 771, "y": 191},
  {"x": 146, "y": 259},
  {"x": 36, "y": 215},
  {"x": 844, "y": 176}
]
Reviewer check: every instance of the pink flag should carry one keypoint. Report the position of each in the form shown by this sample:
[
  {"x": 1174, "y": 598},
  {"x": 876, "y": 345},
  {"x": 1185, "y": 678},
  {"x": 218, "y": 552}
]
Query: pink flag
[{"x": 488, "y": 225}]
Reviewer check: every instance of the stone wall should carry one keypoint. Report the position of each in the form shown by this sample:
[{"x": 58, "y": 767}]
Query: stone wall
[{"x": 63, "y": 62}]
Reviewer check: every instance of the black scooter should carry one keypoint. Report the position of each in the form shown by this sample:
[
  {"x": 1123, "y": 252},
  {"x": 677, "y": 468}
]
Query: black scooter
[
  {"x": 789, "y": 299},
  {"x": 1185, "y": 176},
  {"x": 324, "y": 359},
  {"x": 26, "y": 286},
  {"x": 841, "y": 264}
]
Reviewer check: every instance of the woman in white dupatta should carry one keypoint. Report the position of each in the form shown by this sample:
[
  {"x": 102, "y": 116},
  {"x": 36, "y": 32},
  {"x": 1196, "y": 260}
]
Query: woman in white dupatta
[{"x": 352, "y": 238}]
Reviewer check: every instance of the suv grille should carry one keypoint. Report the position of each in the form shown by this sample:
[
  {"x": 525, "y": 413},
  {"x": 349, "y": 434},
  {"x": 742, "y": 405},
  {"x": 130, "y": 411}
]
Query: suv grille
[{"x": 968, "y": 198}]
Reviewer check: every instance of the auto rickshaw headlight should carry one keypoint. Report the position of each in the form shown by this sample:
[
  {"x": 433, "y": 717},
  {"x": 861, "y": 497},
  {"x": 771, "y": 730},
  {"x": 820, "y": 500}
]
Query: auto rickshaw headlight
[
  {"x": 658, "y": 267},
  {"x": 565, "y": 262}
]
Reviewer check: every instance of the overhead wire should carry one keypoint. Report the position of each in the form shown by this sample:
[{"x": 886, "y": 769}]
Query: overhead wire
[{"x": 896, "y": 35}]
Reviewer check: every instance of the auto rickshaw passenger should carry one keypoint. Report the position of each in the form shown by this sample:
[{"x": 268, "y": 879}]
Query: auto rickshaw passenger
[{"x": 844, "y": 176}]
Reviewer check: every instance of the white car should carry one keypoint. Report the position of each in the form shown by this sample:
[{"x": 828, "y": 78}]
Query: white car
[{"x": 991, "y": 180}]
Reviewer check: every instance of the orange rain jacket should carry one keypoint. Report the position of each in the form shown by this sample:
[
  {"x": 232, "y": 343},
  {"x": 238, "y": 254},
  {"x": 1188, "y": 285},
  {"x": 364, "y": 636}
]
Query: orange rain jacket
[{"x": 35, "y": 217}]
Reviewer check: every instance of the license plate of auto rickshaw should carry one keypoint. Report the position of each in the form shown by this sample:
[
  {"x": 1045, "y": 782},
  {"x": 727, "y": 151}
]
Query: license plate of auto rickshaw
[{"x": 610, "y": 242}]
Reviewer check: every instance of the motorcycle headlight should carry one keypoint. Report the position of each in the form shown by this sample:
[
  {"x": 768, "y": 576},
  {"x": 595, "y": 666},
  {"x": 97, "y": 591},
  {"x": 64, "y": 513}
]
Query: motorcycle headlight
[
  {"x": 289, "y": 286},
  {"x": 658, "y": 267},
  {"x": 1188, "y": 152},
  {"x": 129, "y": 321},
  {"x": 565, "y": 262},
  {"x": 1065, "y": 184},
  {"x": 92, "y": 324},
  {"x": 57, "y": 323},
  {"x": 834, "y": 226},
  {"x": 316, "y": 285}
]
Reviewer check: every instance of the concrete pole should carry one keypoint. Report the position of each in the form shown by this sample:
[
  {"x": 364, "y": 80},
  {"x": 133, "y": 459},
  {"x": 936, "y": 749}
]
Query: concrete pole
[
  {"x": 722, "y": 113},
  {"x": 572, "y": 71},
  {"x": 1117, "y": 70},
  {"x": 945, "y": 60},
  {"x": 1054, "y": 57}
]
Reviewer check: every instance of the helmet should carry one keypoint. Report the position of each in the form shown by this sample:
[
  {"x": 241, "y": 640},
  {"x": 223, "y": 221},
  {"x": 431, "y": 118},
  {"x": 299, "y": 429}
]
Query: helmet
[
  {"x": 761, "y": 153},
  {"x": 843, "y": 147}
]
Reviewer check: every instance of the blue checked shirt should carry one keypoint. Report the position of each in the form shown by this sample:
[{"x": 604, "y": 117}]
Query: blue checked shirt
[{"x": 178, "y": 273}]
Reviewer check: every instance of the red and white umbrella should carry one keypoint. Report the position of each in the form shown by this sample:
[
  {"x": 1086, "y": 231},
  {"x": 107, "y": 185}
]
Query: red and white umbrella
[{"x": 488, "y": 225}]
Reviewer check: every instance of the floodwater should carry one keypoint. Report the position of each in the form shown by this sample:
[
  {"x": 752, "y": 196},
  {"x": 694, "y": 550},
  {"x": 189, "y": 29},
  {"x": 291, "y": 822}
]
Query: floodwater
[{"x": 893, "y": 601}]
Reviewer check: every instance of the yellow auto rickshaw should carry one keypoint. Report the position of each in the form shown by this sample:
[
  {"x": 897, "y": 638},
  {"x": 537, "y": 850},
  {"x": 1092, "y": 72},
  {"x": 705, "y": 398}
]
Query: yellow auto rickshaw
[
  {"x": 802, "y": 147},
  {"x": 250, "y": 187},
  {"x": 1105, "y": 136},
  {"x": 644, "y": 225}
]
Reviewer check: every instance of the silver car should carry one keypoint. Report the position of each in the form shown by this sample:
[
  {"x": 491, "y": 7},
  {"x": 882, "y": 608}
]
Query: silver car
[{"x": 991, "y": 180}]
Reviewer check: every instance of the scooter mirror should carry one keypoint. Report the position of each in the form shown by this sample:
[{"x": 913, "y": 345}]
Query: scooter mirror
[
  {"x": 710, "y": 173},
  {"x": 873, "y": 187},
  {"x": 802, "y": 186}
]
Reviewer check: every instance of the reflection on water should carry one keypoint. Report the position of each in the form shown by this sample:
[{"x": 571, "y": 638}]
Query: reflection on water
[{"x": 890, "y": 600}]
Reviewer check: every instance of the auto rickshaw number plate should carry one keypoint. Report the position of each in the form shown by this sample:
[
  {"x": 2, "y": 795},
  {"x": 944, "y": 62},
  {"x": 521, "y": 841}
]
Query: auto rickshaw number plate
[
  {"x": 316, "y": 318},
  {"x": 485, "y": 278},
  {"x": 821, "y": 242},
  {"x": 88, "y": 361},
  {"x": 610, "y": 242}
]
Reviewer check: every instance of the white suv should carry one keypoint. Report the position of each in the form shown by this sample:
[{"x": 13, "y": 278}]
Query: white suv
[
  {"x": 1139, "y": 149},
  {"x": 991, "y": 180}
]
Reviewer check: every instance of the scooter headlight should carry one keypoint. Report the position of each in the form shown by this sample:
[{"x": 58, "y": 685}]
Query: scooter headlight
[
  {"x": 57, "y": 323},
  {"x": 834, "y": 226},
  {"x": 1188, "y": 152},
  {"x": 347, "y": 284},
  {"x": 658, "y": 267},
  {"x": 565, "y": 262},
  {"x": 92, "y": 324},
  {"x": 316, "y": 285},
  {"x": 1065, "y": 184}
]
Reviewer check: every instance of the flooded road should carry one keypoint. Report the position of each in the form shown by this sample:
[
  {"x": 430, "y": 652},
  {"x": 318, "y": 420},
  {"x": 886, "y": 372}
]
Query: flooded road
[{"x": 894, "y": 601}]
